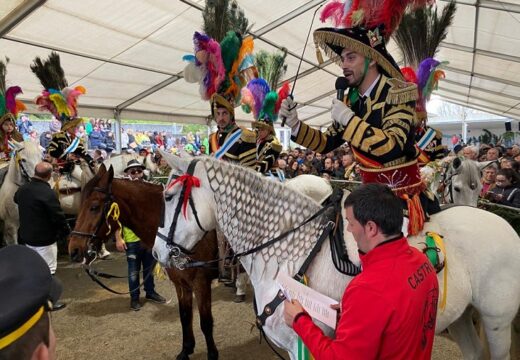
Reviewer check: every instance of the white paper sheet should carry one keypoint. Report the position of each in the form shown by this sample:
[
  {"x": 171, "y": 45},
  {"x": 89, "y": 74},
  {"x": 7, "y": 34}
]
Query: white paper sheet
[{"x": 316, "y": 304}]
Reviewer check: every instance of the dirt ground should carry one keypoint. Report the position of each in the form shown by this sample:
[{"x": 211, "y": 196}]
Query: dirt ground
[{"x": 99, "y": 325}]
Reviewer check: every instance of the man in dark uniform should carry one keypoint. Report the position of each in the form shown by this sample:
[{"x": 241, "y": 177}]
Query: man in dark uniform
[
  {"x": 377, "y": 117},
  {"x": 28, "y": 292},
  {"x": 65, "y": 147},
  {"x": 230, "y": 142},
  {"x": 42, "y": 221}
]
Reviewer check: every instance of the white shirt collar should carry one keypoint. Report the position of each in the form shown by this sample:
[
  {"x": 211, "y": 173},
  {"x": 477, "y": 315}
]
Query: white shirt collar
[{"x": 371, "y": 87}]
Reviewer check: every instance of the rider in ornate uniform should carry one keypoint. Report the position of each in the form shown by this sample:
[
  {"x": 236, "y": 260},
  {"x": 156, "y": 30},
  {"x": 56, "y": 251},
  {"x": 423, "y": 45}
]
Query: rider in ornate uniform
[
  {"x": 230, "y": 142},
  {"x": 61, "y": 101},
  {"x": 264, "y": 103},
  {"x": 9, "y": 108},
  {"x": 377, "y": 116}
]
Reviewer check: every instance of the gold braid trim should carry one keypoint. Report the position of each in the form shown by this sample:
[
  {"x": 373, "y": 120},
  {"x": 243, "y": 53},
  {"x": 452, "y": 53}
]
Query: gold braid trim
[
  {"x": 401, "y": 92},
  {"x": 323, "y": 38}
]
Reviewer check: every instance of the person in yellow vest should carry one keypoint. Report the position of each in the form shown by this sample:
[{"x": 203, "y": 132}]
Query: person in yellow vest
[{"x": 137, "y": 256}]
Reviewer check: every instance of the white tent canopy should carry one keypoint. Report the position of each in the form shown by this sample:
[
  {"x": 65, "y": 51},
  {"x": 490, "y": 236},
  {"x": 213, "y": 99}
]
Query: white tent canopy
[{"x": 128, "y": 54}]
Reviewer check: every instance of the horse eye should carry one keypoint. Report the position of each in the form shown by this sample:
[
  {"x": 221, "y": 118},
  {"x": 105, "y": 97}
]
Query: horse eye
[
  {"x": 457, "y": 189},
  {"x": 94, "y": 208}
]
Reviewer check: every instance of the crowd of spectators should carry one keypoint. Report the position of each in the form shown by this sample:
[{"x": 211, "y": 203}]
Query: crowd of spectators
[{"x": 501, "y": 177}]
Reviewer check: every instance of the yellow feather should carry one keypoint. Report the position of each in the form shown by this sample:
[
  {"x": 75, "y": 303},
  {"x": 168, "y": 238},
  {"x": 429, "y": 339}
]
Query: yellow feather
[{"x": 60, "y": 103}]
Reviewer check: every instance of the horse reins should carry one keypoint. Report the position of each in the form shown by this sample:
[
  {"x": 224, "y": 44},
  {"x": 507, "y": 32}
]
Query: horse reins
[
  {"x": 176, "y": 250},
  {"x": 91, "y": 272}
]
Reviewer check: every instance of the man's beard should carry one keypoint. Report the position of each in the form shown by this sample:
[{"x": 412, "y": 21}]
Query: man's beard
[{"x": 351, "y": 83}]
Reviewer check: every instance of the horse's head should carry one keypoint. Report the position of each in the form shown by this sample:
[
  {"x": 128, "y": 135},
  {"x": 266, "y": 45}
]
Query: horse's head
[
  {"x": 26, "y": 155},
  {"x": 463, "y": 182},
  {"x": 91, "y": 225},
  {"x": 190, "y": 209}
]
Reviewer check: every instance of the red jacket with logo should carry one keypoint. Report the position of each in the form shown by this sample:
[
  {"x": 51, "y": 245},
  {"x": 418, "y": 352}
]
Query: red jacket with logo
[{"x": 387, "y": 312}]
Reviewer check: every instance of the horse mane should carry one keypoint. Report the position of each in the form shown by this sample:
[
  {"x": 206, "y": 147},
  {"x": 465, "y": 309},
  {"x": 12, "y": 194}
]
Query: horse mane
[
  {"x": 140, "y": 185},
  {"x": 253, "y": 209}
]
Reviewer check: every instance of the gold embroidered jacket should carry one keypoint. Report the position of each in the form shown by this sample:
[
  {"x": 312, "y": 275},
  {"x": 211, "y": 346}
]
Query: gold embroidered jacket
[
  {"x": 243, "y": 151},
  {"x": 60, "y": 142},
  {"x": 382, "y": 131},
  {"x": 266, "y": 154}
]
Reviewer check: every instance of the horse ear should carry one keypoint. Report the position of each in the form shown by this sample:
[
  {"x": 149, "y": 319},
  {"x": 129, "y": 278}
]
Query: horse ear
[
  {"x": 456, "y": 163},
  {"x": 110, "y": 173},
  {"x": 17, "y": 144},
  {"x": 102, "y": 170},
  {"x": 175, "y": 162}
]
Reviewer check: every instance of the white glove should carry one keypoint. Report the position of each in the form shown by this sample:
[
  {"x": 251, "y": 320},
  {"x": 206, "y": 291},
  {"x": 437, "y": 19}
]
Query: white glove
[
  {"x": 288, "y": 111},
  {"x": 341, "y": 113}
]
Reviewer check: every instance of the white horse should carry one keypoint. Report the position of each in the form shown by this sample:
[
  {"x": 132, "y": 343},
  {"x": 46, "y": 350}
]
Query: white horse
[
  {"x": 454, "y": 180},
  {"x": 20, "y": 170},
  {"x": 482, "y": 251}
]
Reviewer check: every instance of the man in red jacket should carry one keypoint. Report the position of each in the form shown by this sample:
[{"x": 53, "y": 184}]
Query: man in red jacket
[{"x": 389, "y": 310}]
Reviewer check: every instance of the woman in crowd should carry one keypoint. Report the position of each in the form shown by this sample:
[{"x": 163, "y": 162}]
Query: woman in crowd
[{"x": 506, "y": 191}]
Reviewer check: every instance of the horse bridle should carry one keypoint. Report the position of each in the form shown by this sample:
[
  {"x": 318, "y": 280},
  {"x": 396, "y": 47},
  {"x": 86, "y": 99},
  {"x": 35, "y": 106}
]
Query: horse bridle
[
  {"x": 107, "y": 203},
  {"x": 20, "y": 163},
  {"x": 177, "y": 251}
]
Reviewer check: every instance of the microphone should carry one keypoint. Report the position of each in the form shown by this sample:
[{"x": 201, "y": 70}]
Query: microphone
[{"x": 341, "y": 86}]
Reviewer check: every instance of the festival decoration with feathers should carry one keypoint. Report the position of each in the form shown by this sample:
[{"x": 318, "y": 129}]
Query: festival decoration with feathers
[
  {"x": 369, "y": 13},
  {"x": 271, "y": 66},
  {"x": 57, "y": 98},
  {"x": 9, "y": 106},
  {"x": 222, "y": 62},
  {"x": 419, "y": 36},
  {"x": 220, "y": 16},
  {"x": 421, "y": 32},
  {"x": 264, "y": 103}
]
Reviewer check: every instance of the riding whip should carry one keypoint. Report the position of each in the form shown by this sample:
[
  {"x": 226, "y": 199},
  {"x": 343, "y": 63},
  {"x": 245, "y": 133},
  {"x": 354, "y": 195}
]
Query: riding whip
[{"x": 301, "y": 60}]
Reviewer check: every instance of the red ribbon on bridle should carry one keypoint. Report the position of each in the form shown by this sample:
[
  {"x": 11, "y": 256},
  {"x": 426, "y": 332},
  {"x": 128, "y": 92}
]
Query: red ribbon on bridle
[{"x": 187, "y": 181}]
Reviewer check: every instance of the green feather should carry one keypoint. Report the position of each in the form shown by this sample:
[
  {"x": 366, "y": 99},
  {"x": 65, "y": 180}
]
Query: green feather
[
  {"x": 271, "y": 67},
  {"x": 229, "y": 48},
  {"x": 3, "y": 86},
  {"x": 267, "y": 111},
  {"x": 421, "y": 31}
]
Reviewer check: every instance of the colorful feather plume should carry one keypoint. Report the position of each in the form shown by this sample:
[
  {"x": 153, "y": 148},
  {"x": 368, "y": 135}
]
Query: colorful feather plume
[
  {"x": 208, "y": 60},
  {"x": 369, "y": 13},
  {"x": 247, "y": 100},
  {"x": 268, "y": 107},
  {"x": 409, "y": 74},
  {"x": 259, "y": 89},
  {"x": 57, "y": 97},
  {"x": 428, "y": 75},
  {"x": 8, "y": 102}
]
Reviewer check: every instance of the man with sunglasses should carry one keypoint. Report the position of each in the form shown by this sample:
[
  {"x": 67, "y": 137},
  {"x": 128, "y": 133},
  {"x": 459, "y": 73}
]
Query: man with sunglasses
[{"x": 137, "y": 256}]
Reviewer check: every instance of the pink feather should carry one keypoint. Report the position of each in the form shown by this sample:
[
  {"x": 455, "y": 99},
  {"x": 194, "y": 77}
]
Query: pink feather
[
  {"x": 247, "y": 100},
  {"x": 334, "y": 11},
  {"x": 10, "y": 98}
]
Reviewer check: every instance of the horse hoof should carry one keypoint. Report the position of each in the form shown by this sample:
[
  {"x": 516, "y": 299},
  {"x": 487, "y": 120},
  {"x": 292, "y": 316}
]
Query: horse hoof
[
  {"x": 213, "y": 355},
  {"x": 182, "y": 356}
]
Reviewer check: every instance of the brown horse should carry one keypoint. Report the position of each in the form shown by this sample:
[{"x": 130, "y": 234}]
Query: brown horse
[{"x": 140, "y": 205}]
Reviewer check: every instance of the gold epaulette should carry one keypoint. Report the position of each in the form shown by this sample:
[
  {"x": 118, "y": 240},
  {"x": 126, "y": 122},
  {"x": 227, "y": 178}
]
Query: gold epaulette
[
  {"x": 248, "y": 136},
  {"x": 401, "y": 92},
  {"x": 275, "y": 144}
]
